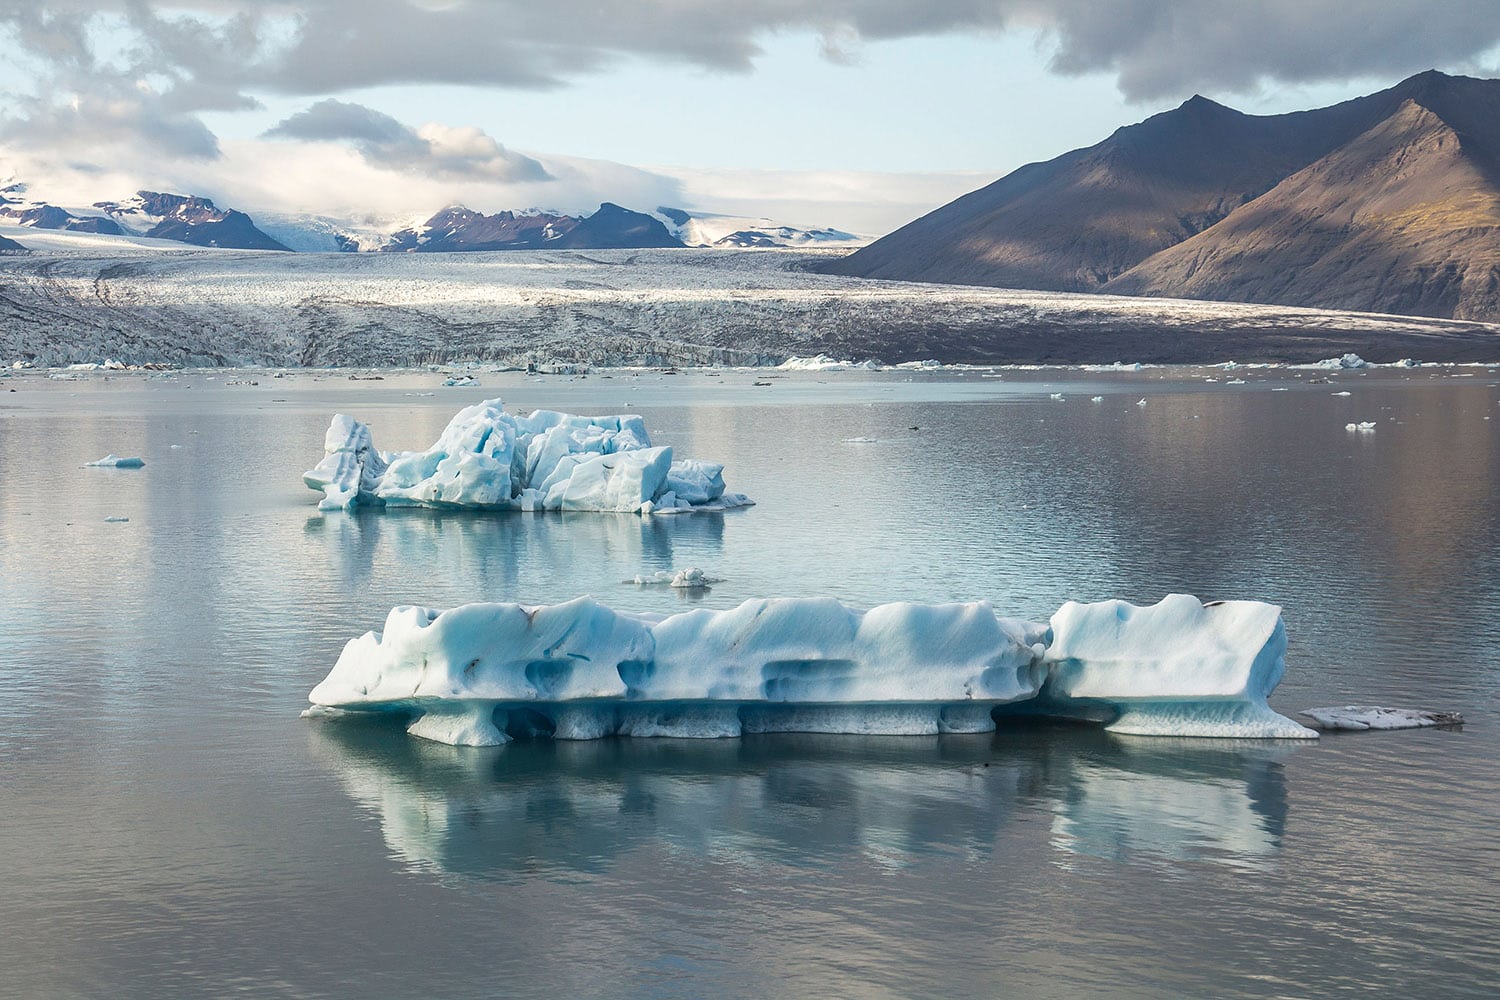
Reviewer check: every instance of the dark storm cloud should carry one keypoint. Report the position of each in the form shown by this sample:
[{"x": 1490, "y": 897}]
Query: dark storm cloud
[
  {"x": 1158, "y": 50},
  {"x": 435, "y": 150},
  {"x": 190, "y": 56},
  {"x": 368, "y": 129},
  {"x": 1153, "y": 47}
]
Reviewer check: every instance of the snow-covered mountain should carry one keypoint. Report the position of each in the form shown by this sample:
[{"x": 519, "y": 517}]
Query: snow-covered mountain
[
  {"x": 153, "y": 214},
  {"x": 458, "y": 228},
  {"x": 197, "y": 221},
  {"x": 706, "y": 229}
]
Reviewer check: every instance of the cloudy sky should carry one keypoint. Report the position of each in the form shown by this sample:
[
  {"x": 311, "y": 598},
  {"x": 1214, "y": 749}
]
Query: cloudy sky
[{"x": 855, "y": 113}]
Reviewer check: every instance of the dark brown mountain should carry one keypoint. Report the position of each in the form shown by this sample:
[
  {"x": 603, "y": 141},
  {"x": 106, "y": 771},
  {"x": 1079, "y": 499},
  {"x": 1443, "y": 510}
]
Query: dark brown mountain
[
  {"x": 187, "y": 219},
  {"x": 10, "y": 246},
  {"x": 1403, "y": 219},
  {"x": 459, "y": 229},
  {"x": 1384, "y": 203},
  {"x": 52, "y": 217}
]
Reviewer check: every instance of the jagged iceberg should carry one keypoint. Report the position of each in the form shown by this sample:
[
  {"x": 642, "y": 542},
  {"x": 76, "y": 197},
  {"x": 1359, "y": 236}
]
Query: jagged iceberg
[
  {"x": 483, "y": 674},
  {"x": 489, "y": 459}
]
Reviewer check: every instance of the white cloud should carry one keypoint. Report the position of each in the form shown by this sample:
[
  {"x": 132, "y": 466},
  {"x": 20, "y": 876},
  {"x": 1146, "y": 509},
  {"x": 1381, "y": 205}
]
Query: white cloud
[
  {"x": 455, "y": 152},
  {"x": 862, "y": 202}
]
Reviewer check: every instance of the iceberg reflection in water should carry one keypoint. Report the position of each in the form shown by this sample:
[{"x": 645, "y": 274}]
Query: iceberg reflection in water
[{"x": 557, "y": 809}]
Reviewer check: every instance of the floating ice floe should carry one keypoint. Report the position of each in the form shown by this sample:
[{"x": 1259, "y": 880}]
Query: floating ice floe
[
  {"x": 823, "y": 363},
  {"x": 1343, "y": 361},
  {"x": 113, "y": 461},
  {"x": 489, "y": 459},
  {"x": 483, "y": 674},
  {"x": 1118, "y": 366},
  {"x": 460, "y": 381},
  {"x": 1358, "y": 717},
  {"x": 1363, "y": 427},
  {"x": 691, "y": 578}
]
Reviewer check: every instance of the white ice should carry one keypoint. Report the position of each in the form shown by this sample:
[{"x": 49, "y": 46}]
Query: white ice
[
  {"x": 481, "y": 674},
  {"x": 823, "y": 363},
  {"x": 1363, "y": 427},
  {"x": 691, "y": 578},
  {"x": 1176, "y": 668},
  {"x": 1373, "y": 717},
  {"x": 489, "y": 459}
]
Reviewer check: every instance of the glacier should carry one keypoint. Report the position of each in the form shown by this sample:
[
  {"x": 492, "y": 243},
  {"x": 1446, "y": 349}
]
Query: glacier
[
  {"x": 492, "y": 460},
  {"x": 485, "y": 674}
]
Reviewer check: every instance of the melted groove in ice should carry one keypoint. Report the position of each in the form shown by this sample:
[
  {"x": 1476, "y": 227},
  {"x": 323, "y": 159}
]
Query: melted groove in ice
[
  {"x": 489, "y": 459},
  {"x": 483, "y": 674}
]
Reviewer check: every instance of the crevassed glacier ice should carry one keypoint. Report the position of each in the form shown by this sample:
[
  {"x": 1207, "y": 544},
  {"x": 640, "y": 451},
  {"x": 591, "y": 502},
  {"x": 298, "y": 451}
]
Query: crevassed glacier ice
[
  {"x": 489, "y": 459},
  {"x": 482, "y": 674}
]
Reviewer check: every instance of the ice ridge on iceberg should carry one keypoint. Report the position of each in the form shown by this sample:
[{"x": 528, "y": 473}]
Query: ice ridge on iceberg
[
  {"x": 483, "y": 674},
  {"x": 489, "y": 459}
]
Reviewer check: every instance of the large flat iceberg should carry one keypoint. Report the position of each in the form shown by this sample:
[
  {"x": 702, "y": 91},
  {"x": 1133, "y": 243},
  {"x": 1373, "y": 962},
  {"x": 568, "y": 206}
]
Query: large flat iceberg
[
  {"x": 492, "y": 460},
  {"x": 484, "y": 674}
]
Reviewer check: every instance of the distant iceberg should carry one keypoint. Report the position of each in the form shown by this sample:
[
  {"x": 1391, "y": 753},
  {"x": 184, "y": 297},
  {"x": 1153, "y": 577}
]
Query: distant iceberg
[
  {"x": 824, "y": 363},
  {"x": 489, "y": 459},
  {"x": 484, "y": 674},
  {"x": 113, "y": 461}
]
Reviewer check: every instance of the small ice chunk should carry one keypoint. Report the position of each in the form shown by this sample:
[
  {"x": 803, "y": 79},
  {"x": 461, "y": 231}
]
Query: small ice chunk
[
  {"x": 691, "y": 578},
  {"x": 1344, "y": 393},
  {"x": 1364, "y": 427},
  {"x": 1359, "y": 717},
  {"x": 1141, "y": 403},
  {"x": 1097, "y": 399},
  {"x": 113, "y": 461},
  {"x": 116, "y": 519},
  {"x": 1058, "y": 396}
]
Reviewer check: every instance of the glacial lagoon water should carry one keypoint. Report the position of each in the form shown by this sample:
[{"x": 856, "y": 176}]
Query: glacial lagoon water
[{"x": 170, "y": 826}]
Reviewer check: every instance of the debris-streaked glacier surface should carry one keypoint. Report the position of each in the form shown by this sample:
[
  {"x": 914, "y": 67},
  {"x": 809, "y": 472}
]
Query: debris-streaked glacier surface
[
  {"x": 492, "y": 460},
  {"x": 485, "y": 674},
  {"x": 81, "y": 297}
]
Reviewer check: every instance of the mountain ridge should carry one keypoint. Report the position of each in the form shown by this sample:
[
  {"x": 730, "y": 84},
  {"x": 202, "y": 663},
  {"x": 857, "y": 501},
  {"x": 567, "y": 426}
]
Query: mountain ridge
[{"x": 1155, "y": 209}]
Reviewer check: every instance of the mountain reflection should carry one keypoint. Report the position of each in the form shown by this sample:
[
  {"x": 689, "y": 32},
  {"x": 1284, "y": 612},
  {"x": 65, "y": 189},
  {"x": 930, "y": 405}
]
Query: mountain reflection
[{"x": 551, "y": 809}]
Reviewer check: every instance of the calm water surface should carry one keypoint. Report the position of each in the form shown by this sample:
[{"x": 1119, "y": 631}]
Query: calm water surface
[{"x": 170, "y": 826}]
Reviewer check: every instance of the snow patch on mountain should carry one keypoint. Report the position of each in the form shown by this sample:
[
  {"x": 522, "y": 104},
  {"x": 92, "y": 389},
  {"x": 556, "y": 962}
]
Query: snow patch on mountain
[{"x": 706, "y": 229}]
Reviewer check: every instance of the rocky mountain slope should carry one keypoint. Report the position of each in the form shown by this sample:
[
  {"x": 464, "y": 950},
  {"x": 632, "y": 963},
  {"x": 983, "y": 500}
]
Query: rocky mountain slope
[{"x": 1387, "y": 203}]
